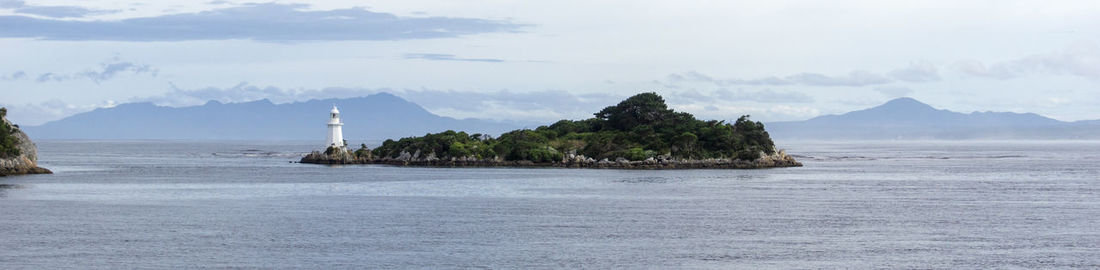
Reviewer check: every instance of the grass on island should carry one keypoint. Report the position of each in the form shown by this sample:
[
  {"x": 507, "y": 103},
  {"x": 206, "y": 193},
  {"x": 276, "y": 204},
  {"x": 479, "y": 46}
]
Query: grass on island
[{"x": 638, "y": 128}]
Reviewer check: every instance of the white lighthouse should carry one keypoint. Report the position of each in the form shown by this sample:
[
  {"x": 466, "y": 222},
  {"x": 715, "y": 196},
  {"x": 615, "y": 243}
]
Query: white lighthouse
[{"x": 335, "y": 130}]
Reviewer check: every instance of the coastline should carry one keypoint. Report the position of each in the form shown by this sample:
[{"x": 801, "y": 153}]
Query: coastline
[{"x": 778, "y": 160}]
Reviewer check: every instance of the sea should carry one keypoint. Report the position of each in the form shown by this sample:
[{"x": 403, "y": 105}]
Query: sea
[{"x": 882, "y": 204}]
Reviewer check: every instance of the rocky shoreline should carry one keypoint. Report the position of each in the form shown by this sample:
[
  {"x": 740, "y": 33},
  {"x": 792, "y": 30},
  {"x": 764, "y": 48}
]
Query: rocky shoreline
[
  {"x": 27, "y": 160},
  {"x": 777, "y": 160}
]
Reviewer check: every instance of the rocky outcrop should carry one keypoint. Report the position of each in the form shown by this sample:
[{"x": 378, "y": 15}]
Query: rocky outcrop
[
  {"x": 26, "y": 162},
  {"x": 330, "y": 157},
  {"x": 775, "y": 160}
]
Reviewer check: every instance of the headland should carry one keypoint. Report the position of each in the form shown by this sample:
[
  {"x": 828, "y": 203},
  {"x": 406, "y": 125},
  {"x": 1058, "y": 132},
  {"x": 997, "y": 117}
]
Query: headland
[{"x": 18, "y": 154}]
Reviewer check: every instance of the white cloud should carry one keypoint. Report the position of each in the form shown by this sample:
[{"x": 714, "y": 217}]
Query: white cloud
[
  {"x": 916, "y": 72},
  {"x": 254, "y": 21},
  {"x": 855, "y": 79},
  {"x": 106, "y": 71},
  {"x": 1081, "y": 59},
  {"x": 894, "y": 91}
]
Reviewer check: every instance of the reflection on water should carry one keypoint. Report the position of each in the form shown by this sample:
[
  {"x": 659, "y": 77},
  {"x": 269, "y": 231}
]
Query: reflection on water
[
  {"x": 650, "y": 179},
  {"x": 5, "y": 187}
]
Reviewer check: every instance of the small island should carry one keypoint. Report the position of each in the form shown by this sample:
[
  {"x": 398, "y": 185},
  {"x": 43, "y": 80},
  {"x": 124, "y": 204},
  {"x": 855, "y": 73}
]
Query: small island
[
  {"x": 18, "y": 155},
  {"x": 640, "y": 132}
]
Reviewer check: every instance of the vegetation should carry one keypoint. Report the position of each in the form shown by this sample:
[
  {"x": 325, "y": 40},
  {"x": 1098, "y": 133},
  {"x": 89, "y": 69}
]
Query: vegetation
[
  {"x": 638, "y": 128},
  {"x": 8, "y": 143},
  {"x": 362, "y": 152}
]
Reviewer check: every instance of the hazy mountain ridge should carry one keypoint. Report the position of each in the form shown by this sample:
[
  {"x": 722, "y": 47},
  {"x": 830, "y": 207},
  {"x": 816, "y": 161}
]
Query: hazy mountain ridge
[
  {"x": 907, "y": 118},
  {"x": 1088, "y": 122},
  {"x": 385, "y": 116},
  {"x": 378, "y": 116}
]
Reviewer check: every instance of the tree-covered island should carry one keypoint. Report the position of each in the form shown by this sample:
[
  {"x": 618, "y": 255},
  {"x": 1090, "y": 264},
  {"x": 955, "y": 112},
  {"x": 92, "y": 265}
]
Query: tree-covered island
[{"x": 639, "y": 132}]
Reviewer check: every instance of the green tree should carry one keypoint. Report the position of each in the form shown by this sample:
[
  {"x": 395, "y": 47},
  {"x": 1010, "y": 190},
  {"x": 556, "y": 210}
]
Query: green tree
[
  {"x": 8, "y": 142},
  {"x": 684, "y": 143},
  {"x": 641, "y": 109},
  {"x": 363, "y": 151}
]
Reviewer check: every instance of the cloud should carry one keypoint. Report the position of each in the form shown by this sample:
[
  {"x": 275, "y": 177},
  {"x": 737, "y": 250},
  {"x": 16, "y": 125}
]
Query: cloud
[
  {"x": 62, "y": 11},
  {"x": 765, "y": 96},
  {"x": 894, "y": 91},
  {"x": 50, "y": 76},
  {"x": 692, "y": 76},
  {"x": 742, "y": 95},
  {"x": 854, "y": 79},
  {"x": 18, "y": 75},
  {"x": 448, "y": 57},
  {"x": 12, "y": 3},
  {"x": 108, "y": 71},
  {"x": 21, "y": 7},
  {"x": 264, "y": 22},
  {"x": 1082, "y": 59},
  {"x": 104, "y": 72},
  {"x": 916, "y": 72}
]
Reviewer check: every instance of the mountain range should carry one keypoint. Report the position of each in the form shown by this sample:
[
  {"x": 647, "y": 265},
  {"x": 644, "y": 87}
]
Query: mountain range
[
  {"x": 374, "y": 117},
  {"x": 909, "y": 119},
  {"x": 385, "y": 116}
]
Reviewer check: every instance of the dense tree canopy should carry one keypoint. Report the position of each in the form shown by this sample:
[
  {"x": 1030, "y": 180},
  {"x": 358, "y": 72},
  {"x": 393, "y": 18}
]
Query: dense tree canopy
[
  {"x": 7, "y": 141},
  {"x": 637, "y": 128}
]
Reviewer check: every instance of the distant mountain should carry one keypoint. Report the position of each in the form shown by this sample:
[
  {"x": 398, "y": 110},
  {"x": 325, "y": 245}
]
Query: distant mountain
[
  {"x": 1088, "y": 122},
  {"x": 907, "y": 118},
  {"x": 374, "y": 117}
]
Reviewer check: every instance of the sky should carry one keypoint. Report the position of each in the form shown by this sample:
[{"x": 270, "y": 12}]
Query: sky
[{"x": 548, "y": 60}]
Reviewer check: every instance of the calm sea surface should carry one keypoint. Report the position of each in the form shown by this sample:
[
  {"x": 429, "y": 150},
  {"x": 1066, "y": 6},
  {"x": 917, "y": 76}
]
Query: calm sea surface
[{"x": 854, "y": 205}]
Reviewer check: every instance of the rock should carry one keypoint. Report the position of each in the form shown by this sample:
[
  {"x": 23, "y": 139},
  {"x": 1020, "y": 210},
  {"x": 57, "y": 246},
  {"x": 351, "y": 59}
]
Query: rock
[
  {"x": 404, "y": 156},
  {"x": 27, "y": 160},
  {"x": 336, "y": 157}
]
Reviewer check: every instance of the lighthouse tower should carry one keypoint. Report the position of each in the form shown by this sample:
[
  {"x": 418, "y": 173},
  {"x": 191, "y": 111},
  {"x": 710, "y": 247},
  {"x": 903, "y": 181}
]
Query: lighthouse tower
[{"x": 335, "y": 130}]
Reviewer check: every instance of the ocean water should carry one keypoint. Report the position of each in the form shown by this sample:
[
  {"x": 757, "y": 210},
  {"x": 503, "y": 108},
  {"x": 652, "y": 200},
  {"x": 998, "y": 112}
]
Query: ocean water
[{"x": 945, "y": 205}]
